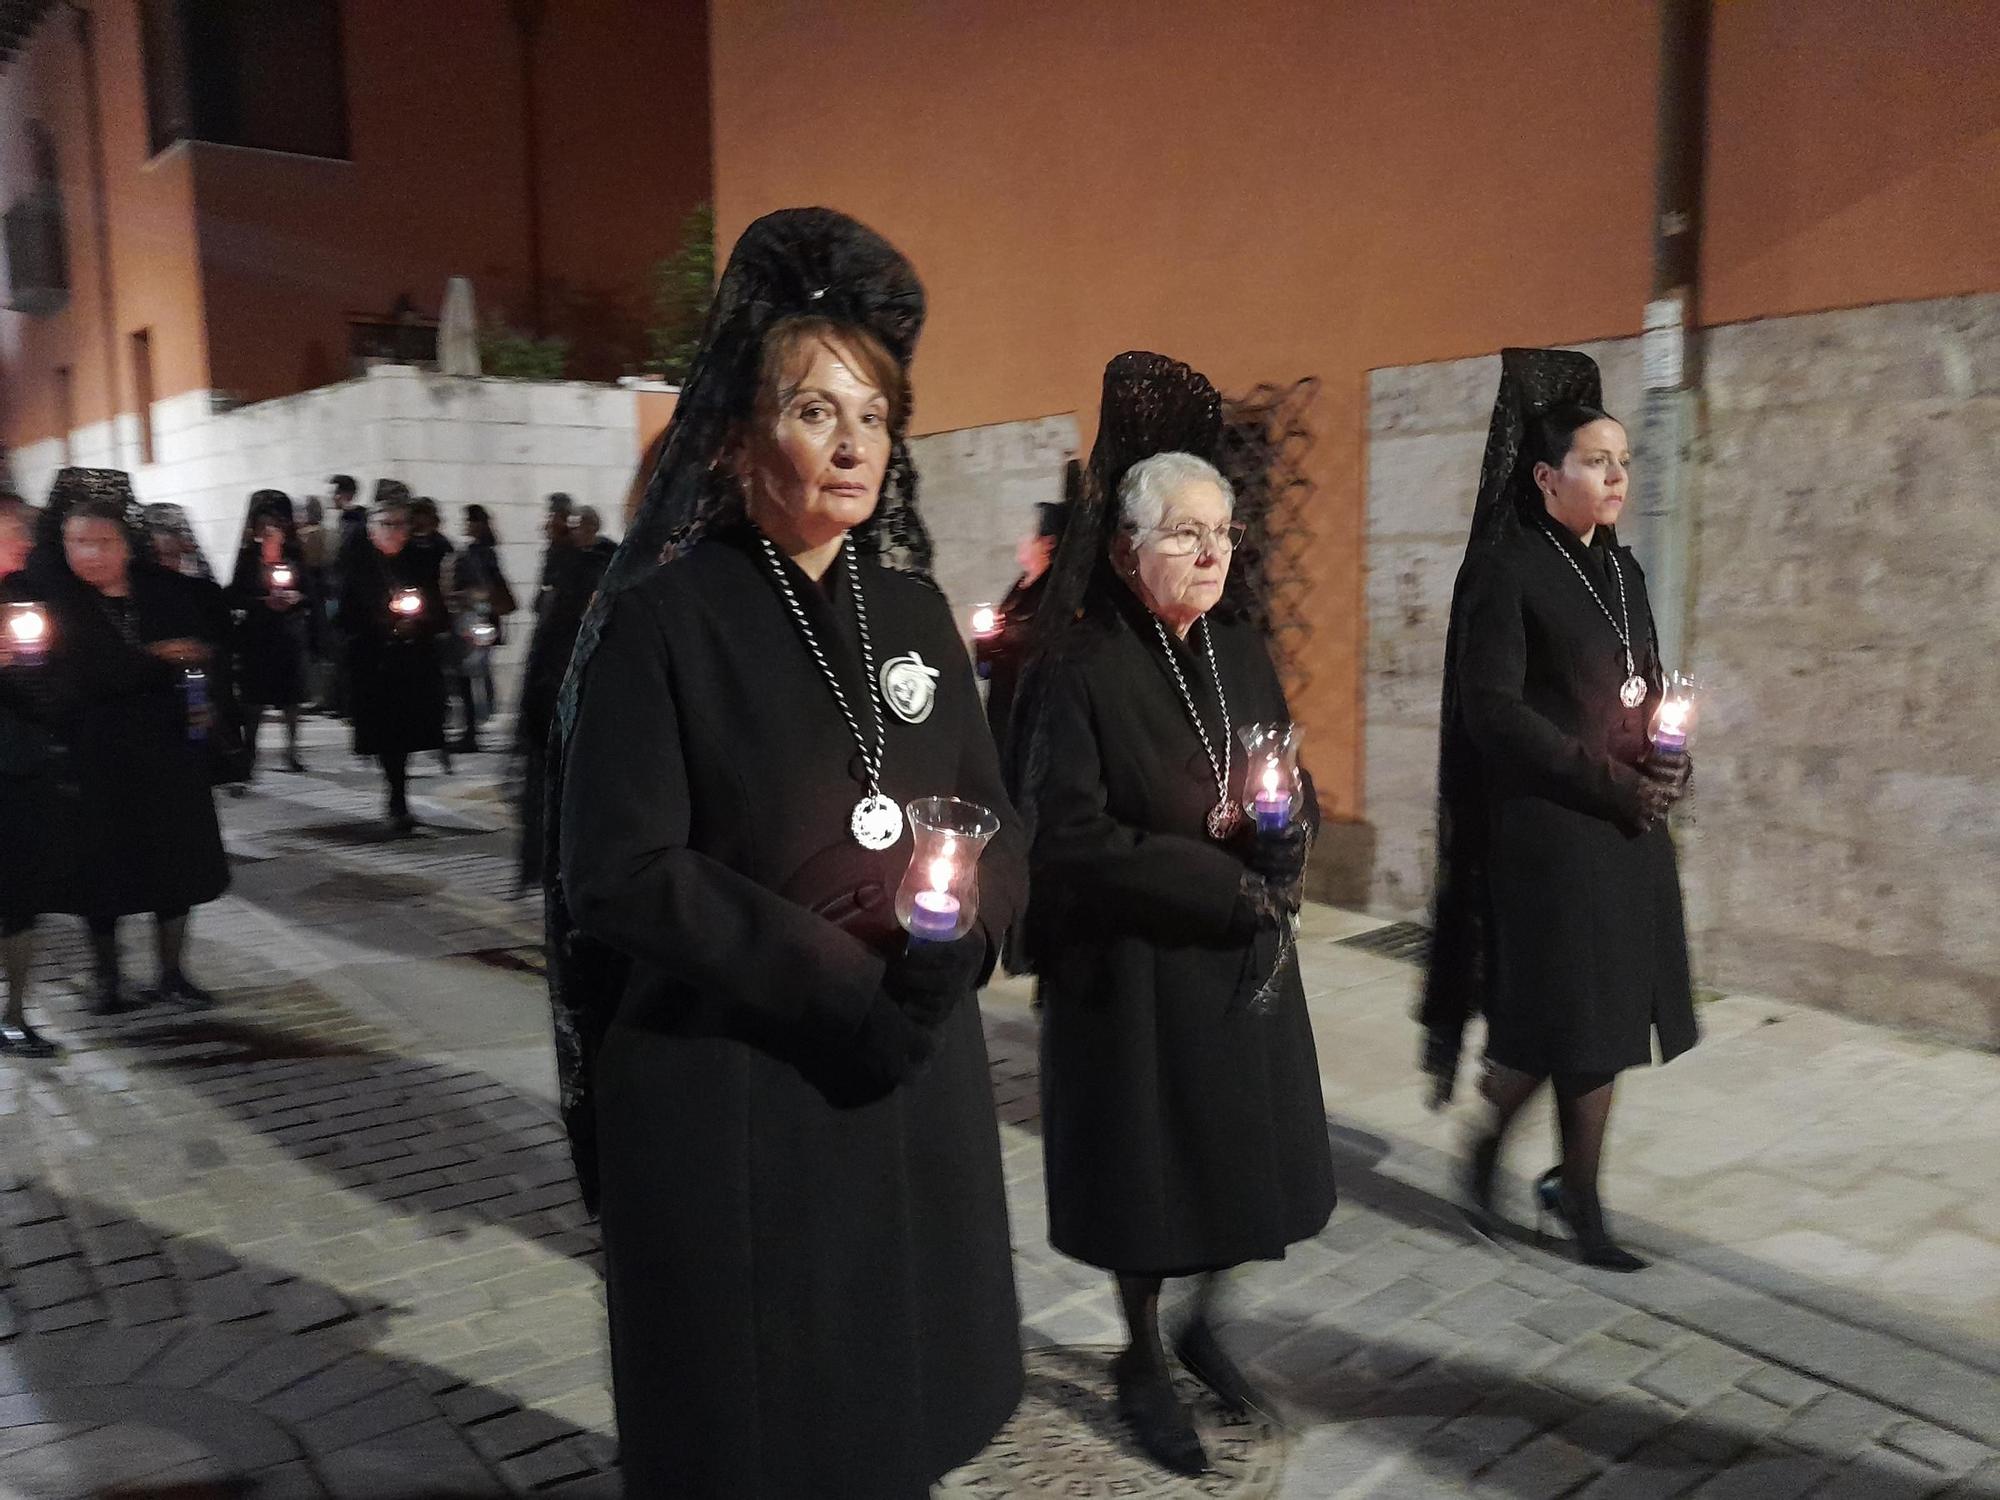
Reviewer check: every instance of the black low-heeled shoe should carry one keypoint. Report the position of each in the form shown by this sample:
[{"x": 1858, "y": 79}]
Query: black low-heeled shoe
[
  {"x": 1202, "y": 1354},
  {"x": 25, "y": 1041},
  {"x": 1159, "y": 1422},
  {"x": 1583, "y": 1215}
]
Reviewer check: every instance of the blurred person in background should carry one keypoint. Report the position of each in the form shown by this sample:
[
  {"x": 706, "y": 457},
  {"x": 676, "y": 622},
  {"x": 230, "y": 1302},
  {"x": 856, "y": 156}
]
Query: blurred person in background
[
  {"x": 131, "y": 650},
  {"x": 480, "y": 603},
  {"x": 393, "y": 615},
  {"x": 590, "y": 539},
  {"x": 273, "y": 592},
  {"x": 31, "y": 802}
]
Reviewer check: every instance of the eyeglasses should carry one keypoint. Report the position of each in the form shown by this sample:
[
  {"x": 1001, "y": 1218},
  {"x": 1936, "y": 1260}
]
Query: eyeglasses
[{"x": 1189, "y": 537}]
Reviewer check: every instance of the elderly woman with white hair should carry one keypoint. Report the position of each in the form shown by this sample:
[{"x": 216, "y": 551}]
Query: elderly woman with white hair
[{"x": 1183, "y": 1127}]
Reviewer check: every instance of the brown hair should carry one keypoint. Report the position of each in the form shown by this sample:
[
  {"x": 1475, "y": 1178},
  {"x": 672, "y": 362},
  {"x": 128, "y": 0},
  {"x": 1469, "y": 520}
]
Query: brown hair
[{"x": 786, "y": 348}]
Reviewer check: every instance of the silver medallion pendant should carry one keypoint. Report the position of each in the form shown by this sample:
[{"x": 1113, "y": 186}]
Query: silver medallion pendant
[
  {"x": 877, "y": 822},
  {"x": 1634, "y": 691},
  {"x": 1224, "y": 819}
]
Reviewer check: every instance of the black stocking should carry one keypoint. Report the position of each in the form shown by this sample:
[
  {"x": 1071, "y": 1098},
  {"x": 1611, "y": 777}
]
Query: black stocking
[
  {"x": 1583, "y": 1112},
  {"x": 1140, "y": 1298}
]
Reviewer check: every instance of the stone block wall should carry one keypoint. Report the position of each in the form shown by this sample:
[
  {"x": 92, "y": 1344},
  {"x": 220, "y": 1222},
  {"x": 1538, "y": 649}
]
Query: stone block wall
[
  {"x": 978, "y": 487},
  {"x": 505, "y": 444},
  {"x": 1843, "y": 843}
]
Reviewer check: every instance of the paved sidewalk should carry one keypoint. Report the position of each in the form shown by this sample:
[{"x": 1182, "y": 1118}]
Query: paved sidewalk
[{"x": 324, "y": 1240}]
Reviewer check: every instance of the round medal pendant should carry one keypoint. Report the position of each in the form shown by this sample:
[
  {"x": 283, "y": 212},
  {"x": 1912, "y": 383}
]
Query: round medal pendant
[
  {"x": 877, "y": 822},
  {"x": 1634, "y": 691},
  {"x": 1224, "y": 819}
]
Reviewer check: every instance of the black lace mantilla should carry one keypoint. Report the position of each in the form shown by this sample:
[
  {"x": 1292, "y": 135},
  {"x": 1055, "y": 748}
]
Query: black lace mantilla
[{"x": 810, "y": 262}]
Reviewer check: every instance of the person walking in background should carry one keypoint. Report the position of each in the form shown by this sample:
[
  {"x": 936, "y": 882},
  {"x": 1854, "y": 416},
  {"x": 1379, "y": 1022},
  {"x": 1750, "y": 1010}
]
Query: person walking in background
[
  {"x": 37, "y": 844},
  {"x": 590, "y": 539},
  {"x": 393, "y": 615},
  {"x": 131, "y": 652},
  {"x": 559, "y": 535},
  {"x": 480, "y": 602},
  {"x": 271, "y": 590}
]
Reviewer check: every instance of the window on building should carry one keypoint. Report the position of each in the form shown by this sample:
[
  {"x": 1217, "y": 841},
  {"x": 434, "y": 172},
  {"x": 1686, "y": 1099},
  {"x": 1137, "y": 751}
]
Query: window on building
[
  {"x": 65, "y": 388},
  {"x": 31, "y": 231},
  {"x": 142, "y": 390},
  {"x": 246, "y": 73}
]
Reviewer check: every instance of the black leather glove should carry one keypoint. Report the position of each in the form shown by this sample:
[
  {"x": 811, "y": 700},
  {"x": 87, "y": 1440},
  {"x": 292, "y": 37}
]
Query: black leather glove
[
  {"x": 889, "y": 1045},
  {"x": 928, "y": 979},
  {"x": 1279, "y": 857}
]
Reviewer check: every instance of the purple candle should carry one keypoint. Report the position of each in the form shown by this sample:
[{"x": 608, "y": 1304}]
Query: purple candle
[{"x": 933, "y": 917}]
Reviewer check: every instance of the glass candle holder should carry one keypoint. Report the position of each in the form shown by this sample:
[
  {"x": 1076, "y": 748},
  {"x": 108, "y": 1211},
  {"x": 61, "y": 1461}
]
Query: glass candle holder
[
  {"x": 282, "y": 579},
  {"x": 407, "y": 604},
  {"x": 27, "y": 627},
  {"x": 1271, "y": 774},
  {"x": 985, "y": 620},
  {"x": 939, "y": 897},
  {"x": 1673, "y": 721}
]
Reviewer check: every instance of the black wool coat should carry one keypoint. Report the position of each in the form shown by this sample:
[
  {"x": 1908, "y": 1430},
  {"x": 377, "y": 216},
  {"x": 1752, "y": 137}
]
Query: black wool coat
[
  {"x": 397, "y": 679},
  {"x": 37, "y": 807},
  {"x": 810, "y": 1286},
  {"x": 146, "y": 834},
  {"x": 1182, "y": 1132},
  {"x": 1589, "y": 946}
]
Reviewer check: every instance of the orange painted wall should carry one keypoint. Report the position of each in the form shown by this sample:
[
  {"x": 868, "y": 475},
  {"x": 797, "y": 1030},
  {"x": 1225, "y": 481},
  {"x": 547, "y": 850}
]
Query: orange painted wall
[
  {"x": 152, "y": 241},
  {"x": 248, "y": 264},
  {"x": 436, "y": 184},
  {"x": 1269, "y": 190},
  {"x": 1857, "y": 154}
]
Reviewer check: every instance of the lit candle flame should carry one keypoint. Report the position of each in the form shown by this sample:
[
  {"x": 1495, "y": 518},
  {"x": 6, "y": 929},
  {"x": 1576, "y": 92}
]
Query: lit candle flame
[
  {"x": 281, "y": 578},
  {"x": 941, "y": 873},
  {"x": 1271, "y": 777},
  {"x": 985, "y": 619},
  {"x": 408, "y": 602},
  {"x": 1673, "y": 714},
  {"x": 28, "y": 626}
]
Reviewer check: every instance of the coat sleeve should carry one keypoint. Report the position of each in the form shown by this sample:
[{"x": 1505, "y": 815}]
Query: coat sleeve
[
  {"x": 1161, "y": 885},
  {"x": 633, "y": 883},
  {"x": 1508, "y": 731}
]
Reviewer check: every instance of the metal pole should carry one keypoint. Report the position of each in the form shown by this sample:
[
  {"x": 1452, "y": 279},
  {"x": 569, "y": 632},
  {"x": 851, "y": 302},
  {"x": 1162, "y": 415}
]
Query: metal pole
[{"x": 1671, "y": 419}]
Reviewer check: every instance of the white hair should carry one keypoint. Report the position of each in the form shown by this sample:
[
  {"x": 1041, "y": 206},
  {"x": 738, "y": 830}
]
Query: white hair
[{"x": 1150, "y": 483}]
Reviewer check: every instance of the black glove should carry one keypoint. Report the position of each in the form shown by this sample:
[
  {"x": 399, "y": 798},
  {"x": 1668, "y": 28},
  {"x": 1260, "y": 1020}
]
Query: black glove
[
  {"x": 1260, "y": 906},
  {"x": 928, "y": 979},
  {"x": 889, "y": 1045},
  {"x": 1674, "y": 771},
  {"x": 1279, "y": 857}
]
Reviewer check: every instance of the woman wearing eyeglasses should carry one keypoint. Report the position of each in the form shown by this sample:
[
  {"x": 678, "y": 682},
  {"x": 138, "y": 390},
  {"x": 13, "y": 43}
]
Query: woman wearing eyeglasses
[{"x": 1183, "y": 1128}]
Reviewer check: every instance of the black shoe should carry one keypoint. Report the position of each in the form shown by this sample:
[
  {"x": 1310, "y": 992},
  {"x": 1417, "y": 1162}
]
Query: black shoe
[
  {"x": 1159, "y": 1423},
  {"x": 1583, "y": 1216},
  {"x": 403, "y": 823},
  {"x": 294, "y": 765},
  {"x": 1480, "y": 1166},
  {"x": 444, "y": 759},
  {"x": 111, "y": 1000},
  {"x": 25, "y": 1041},
  {"x": 1203, "y": 1356},
  {"x": 178, "y": 989}
]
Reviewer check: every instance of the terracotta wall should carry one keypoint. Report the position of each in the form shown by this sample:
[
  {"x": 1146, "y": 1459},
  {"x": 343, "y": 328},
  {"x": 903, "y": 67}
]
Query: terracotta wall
[
  {"x": 152, "y": 242},
  {"x": 1272, "y": 190},
  {"x": 281, "y": 250},
  {"x": 1268, "y": 190}
]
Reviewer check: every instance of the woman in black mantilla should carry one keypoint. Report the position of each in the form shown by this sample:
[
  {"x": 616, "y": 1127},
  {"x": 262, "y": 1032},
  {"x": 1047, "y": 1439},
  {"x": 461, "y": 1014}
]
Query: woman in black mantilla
[
  {"x": 1182, "y": 1123},
  {"x": 131, "y": 650},
  {"x": 393, "y": 614},
  {"x": 273, "y": 588},
  {"x": 782, "y": 1109},
  {"x": 1558, "y": 905}
]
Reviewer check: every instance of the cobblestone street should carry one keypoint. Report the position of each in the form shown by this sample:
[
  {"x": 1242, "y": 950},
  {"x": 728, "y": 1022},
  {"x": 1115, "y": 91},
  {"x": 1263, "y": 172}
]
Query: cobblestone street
[{"x": 324, "y": 1240}]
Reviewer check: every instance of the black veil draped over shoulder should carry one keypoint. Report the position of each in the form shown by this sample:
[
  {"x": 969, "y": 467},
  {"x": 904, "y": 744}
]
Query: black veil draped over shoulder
[
  {"x": 1532, "y": 383},
  {"x": 799, "y": 262}
]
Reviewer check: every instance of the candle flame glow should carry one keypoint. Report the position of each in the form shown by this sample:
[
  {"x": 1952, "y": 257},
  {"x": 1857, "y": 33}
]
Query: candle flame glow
[
  {"x": 1271, "y": 776},
  {"x": 28, "y": 626},
  {"x": 941, "y": 873},
  {"x": 985, "y": 619}
]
